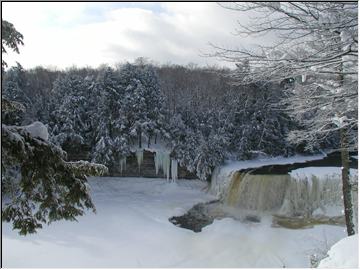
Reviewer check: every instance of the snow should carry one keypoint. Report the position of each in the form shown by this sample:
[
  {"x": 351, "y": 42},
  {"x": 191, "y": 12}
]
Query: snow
[
  {"x": 38, "y": 130},
  {"x": 320, "y": 172},
  {"x": 344, "y": 254},
  {"x": 131, "y": 229},
  {"x": 231, "y": 166}
]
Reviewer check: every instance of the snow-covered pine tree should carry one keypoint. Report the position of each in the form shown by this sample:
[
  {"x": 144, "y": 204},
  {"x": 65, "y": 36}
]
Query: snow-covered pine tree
[
  {"x": 110, "y": 124},
  {"x": 37, "y": 185},
  {"x": 13, "y": 86},
  {"x": 10, "y": 39},
  {"x": 70, "y": 118},
  {"x": 183, "y": 142},
  {"x": 143, "y": 105}
]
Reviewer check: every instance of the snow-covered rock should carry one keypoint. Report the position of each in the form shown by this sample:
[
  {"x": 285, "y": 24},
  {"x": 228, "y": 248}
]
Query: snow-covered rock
[
  {"x": 344, "y": 254},
  {"x": 38, "y": 130}
]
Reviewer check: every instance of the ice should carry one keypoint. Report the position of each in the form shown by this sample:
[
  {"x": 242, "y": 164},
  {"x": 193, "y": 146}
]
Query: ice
[
  {"x": 162, "y": 162},
  {"x": 131, "y": 230},
  {"x": 139, "y": 157},
  {"x": 174, "y": 170},
  {"x": 122, "y": 164},
  {"x": 38, "y": 130},
  {"x": 344, "y": 254}
]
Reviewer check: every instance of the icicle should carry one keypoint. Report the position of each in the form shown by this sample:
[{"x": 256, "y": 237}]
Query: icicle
[
  {"x": 122, "y": 164},
  {"x": 166, "y": 165},
  {"x": 139, "y": 157},
  {"x": 174, "y": 170},
  {"x": 158, "y": 157},
  {"x": 162, "y": 161}
]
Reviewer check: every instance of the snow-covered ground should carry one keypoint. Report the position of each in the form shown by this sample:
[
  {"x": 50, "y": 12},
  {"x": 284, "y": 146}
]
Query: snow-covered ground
[
  {"x": 344, "y": 254},
  {"x": 131, "y": 229}
]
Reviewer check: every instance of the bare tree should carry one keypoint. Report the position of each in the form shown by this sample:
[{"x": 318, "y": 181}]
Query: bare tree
[{"x": 316, "y": 44}]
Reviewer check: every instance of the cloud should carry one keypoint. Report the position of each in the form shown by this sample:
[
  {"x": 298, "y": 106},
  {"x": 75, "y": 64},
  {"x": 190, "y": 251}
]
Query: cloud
[{"x": 90, "y": 34}]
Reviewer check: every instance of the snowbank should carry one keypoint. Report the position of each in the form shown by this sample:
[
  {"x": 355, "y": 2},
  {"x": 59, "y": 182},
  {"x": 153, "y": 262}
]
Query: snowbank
[{"x": 344, "y": 254}]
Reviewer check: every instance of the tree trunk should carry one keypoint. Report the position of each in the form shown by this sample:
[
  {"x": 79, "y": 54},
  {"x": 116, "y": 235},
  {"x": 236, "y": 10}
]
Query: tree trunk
[{"x": 346, "y": 185}]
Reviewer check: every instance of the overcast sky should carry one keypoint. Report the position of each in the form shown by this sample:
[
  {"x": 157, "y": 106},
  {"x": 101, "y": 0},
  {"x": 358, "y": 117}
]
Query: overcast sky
[{"x": 91, "y": 34}]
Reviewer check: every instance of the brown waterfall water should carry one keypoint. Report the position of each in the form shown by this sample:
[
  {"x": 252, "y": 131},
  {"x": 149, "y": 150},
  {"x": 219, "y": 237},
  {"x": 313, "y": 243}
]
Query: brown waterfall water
[
  {"x": 232, "y": 196},
  {"x": 283, "y": 194},
  {"x": 293, "y": 201},
  {"x": 256, "y": 192}
]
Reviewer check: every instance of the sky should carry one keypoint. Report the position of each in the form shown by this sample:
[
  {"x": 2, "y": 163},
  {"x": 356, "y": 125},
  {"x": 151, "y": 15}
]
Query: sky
[{"x": 64, "y": 34}]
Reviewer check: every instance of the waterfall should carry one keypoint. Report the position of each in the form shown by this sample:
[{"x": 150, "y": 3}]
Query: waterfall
[
  {"x": 308, "y": 194},
  {"x": 122, "y": 164},
  {"x": 174, "y": 170},
  {"x": 283, "y": 194},
  {"x": 140, "y": 157},
  {"x": 256, "y": 192}
]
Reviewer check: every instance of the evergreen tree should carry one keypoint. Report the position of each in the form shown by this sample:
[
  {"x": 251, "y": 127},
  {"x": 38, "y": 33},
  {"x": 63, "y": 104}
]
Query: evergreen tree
[
  {"x": 111, "y": 137},
  {"x": 70, "y": 117},
  {"x": 13, "y": 88},
  {"x": 144, "y": 102},
  {"x": 37, "y": 185}
]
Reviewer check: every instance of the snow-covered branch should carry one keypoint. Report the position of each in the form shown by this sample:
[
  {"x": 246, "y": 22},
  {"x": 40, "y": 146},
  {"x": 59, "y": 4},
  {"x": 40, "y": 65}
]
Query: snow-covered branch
[{"x": 38, "y": 185}]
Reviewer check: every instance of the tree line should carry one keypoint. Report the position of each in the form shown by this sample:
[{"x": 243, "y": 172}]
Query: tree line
[{"x": 198, "y": 113}]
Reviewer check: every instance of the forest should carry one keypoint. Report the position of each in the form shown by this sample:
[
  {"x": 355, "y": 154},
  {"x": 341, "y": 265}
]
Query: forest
[{"x": 199, "y": 113}]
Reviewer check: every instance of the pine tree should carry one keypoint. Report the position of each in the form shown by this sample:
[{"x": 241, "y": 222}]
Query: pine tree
[
  {"x": 144, "y": 102},
  {"x": 13, "y": 88},
  {"x": 111, "y": 137},
  {"x": 37, "y": 185},
  {"x": 70, "y": 117}
]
